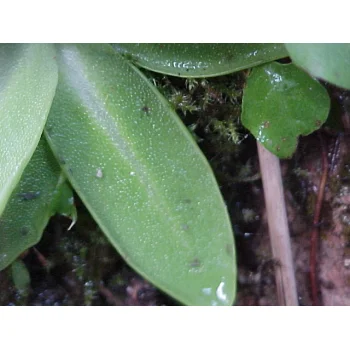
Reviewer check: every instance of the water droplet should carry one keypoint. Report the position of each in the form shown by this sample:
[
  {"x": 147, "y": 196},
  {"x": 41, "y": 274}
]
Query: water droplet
[
  {"x": 99, "y": 173},
  {"x": 206, "y": 291},
  {"x": 220, "y": 293}
]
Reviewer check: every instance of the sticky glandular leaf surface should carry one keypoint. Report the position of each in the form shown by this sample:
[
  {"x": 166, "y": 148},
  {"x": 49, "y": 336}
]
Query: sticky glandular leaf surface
[
  {"x": 28, "y": 79},
  {"x": 200, "y": 60},
  {"x": 281, "y": 102},
  {"x": 330, "y": 62},
  {"x": 141, "y": 175},
  {"x": 35, "y": 199}
]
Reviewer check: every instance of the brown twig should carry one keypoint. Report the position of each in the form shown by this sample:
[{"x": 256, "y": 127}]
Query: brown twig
[
  {"x": 110, "y": 297},
  {"x": 278, "y": 227},
  {"x": 316, "y": 222},
  {"x": 43, "y": 261}
]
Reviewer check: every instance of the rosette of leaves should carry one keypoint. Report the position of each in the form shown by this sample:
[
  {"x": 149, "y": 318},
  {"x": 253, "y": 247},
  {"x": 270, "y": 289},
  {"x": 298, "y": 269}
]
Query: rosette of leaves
[{"x": 84, "y": 116}]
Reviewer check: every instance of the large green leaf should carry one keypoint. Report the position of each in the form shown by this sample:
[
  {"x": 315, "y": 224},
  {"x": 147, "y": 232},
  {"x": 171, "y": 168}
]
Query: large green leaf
[
  {"x": 200, "y": 60},
  {"x": 141, "y": 175},
  {"x": 280, "y": 103},
  {"x": 330, "y": 62},
  {"x": 28, "y": 79},
  {"x": 38, "y": 195}
]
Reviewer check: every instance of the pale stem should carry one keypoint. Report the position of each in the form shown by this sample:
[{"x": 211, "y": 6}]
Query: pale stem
[{"x": 278, "y": 227}]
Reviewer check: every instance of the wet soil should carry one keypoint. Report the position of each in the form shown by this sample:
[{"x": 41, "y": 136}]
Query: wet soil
[{"x": 80, "y": 267}]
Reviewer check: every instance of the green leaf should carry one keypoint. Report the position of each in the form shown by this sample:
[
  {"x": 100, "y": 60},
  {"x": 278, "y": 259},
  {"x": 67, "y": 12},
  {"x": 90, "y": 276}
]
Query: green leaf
[
  {"x": 330, "y": 62},
  {"x": 64, "y": 203},
  {"x": 280, "y": 103},
  {"x": 31, "y": 204},
  {"x": 28, "y": 79},
  {"x": 200, "y": 60},
  {"x": 20, "y": 276},
  {"x": 141, "y": 175}
]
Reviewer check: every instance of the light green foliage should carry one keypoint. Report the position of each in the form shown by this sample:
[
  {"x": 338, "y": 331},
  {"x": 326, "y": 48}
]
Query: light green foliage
[
  {"x": 28, "y": 78},
  {"x": 141, "y": 175},
  {"x": 226, "y": 130},
  {"x": 182, "y": 102},
  {"x": 330, "y": 62},
  {"x": 280, "y": 103},
  {"x": 32, "y": 203},
  {"x": 64, "y": 202},
  {"x": 200, "y": 60}
]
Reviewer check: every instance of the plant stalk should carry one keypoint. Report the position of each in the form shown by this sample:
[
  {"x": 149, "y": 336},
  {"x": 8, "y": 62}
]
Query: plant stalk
[
  {"x": 278, "y": 227},
  {"x": 314, "y": 240}
]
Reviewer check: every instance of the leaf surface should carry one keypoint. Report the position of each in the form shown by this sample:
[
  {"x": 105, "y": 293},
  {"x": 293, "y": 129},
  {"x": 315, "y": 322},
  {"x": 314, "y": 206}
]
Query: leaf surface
[
  {"x": 20, "y": 276},
  {"x": 28, "y": 79},
  {"x": 281, "y": 102},
  {"x": 141, "y": 175},
  {"x": 200, "y": 60},
  {"x": 330, "y": 62},
  {"x": 41, "y": 192}
]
